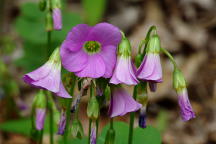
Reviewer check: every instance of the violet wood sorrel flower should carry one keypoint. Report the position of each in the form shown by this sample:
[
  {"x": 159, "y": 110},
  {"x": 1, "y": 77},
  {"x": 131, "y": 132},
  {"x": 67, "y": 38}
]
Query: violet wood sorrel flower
[
  {"x": 124, "y": 72},
  {"x": 180, "y": 86},
  {"x": 56, "y": 15},
  {"x": 91, "y": 51},
  {"x": 150, "y": 69},
  {"x": 39, "y": 104},
  {"x": 121, "y": 102},
  {"x": 48, "y": 76}
]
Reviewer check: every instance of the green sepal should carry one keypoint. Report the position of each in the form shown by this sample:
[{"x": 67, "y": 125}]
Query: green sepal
[
  {"x": 153, "y": 45},
  {"x": 179, "y": 82},
  {"x": 93, "y": 109},
  {"x": 56, "y": 4},
  {"x": 124, "y": 47},
  {"x": 110, "y": 136},
  {"x": 40, "y": 100},
  {"x": 77, "y": 129}
]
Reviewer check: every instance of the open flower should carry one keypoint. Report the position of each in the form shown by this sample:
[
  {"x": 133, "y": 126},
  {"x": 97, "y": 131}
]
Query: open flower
[
  {"x": 122, "y": 103},
  {"x": 180, "y": 86},
  {"x": 48, "y": 76},
  {"x": 57, "y": 19},
  {"x": 124, "y": 72},
  {"x": 150, "y": 69},
  {"x": 91, "y": 51}
]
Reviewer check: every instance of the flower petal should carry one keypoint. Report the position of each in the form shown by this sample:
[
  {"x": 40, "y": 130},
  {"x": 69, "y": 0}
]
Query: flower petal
[
  {"x": 62, "y": 92},
  {"x": 94, "y": 68},
  {"x": 109, "y": 56},
  {"x": 73, "y": 61},
  {"x": 78, "y": 34},
  {"x": 70, "y": 45},
  {"x": 106, "y": 34}
]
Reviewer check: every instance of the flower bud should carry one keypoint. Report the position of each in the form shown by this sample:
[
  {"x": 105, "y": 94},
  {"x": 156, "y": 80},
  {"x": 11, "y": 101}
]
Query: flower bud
[
  {"x": 49, "y": 21},
  {"x": 180, "y": 86},
  {"x": 62, "y": 123},
  {"x": 93, "y": 108},
  {"x": 42, "y": 5},
  {"x": 77, "y": 129},
  {"x": 110, "y": 136},
  {"x": 153, "y": 45},
  {"x": 40, "y": 105},
  {"x": 142, "y": 117}
]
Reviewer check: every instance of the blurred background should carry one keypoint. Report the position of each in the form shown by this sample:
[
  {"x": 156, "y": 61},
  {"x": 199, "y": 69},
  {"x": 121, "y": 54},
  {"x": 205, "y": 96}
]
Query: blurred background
[{"x": 187, "y": 29}]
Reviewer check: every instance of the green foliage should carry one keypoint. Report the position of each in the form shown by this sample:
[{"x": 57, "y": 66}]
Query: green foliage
[
  {"x": 94, "y": 10},
  {"x": 30, "y": 25}
]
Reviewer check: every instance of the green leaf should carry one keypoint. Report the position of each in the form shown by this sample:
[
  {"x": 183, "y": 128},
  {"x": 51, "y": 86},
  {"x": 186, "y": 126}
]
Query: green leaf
[
  {"x": 94, "y": 10},
  {"x": 23, "y": 126},
  {"x": 148, "y": 135}
]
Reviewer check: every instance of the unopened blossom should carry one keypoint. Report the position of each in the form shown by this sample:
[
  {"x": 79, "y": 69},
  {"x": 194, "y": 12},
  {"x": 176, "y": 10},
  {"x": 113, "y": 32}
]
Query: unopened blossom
[
  {"x": 48, "y": 76},
  {"x": 150, "y": 69},
  {"x": 93, "y": 139},
  {"x": 62, "y": 123},
  {"x": 124, "y": 73},
  {"x": 142, "y": 117},
  {"x": 91, "y": 51},
  {"x": 57, "y": 19},
  {"x": 180, "y": 86},
  {"x": 121, "y": 102},
  {"x": 40, "y": 118}
]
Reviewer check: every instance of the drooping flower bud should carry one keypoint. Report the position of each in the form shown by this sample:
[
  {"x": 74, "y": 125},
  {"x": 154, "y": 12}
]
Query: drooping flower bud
[
  {"x": 39, "y": 105},
  {"x": 179, "y": 85},
  {"x": 150, "y": 70},
  {"x": 77, "y": 129},
  {"x": 93, "y": 108},
  {"x": 123, "y": 72},
  {"x": 93, "y": 137},
  {"x": 48, "y": 76},
  {"x": 56, "y": 14},
  {"x": 110, "y": 136},
  {"x": 62, "y": 123},
  {"x": 142, "y": 98}
]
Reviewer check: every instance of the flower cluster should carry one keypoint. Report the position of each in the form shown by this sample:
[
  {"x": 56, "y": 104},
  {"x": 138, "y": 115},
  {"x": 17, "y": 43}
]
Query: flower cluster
[{"x": 100, "y": 56}]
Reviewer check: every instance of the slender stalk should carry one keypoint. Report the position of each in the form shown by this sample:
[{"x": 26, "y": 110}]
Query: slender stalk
[
  {"x": 68, "y": 113},
  {"x": 51, "y": 120},
  {"x": 41, "y": 137},
  {"x": 132, "y": 116},
  {"x": 90, "y": 121},
  {"x": 111, "y": 123},
  {"x": 170, "y": 57},
  {"x": 49, "y": 49}
]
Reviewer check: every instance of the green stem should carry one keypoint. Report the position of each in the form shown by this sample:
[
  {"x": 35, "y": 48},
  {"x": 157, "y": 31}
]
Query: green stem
[
  {"x": 49, "y": 36},
  {"x": 51, "y": 119},
  {"x": 132, "y": 116},
  {"x": 68, "y": 113},
  {"x": 41, "y": 137},
  {"x": 90, "y": 121},
  {"x": 111, "y": 123},
  {"x": 170, "y": 57}
]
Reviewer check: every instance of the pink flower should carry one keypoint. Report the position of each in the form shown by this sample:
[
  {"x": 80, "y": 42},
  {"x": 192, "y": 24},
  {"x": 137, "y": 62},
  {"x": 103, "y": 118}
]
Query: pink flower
[
  {"x": 91, "y": 51},
  {"x": 185, "y": 106},
  {"x": 48, "y": 76},
  {"x": 57, "y": 19},
  {"x": 122, "y": 103},
  {"x": 124, "y": 72}
]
